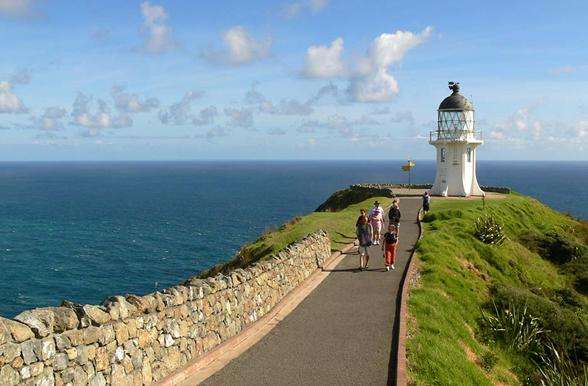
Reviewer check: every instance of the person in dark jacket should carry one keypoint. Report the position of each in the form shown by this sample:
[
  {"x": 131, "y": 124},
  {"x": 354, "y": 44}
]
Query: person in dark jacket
[
  {"x": 394, "y": 214},
  {"x": 426, "y": 201}
]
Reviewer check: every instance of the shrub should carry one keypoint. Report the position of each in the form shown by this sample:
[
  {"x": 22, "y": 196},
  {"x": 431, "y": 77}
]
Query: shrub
[
  {"x": 564, "y": 326},
  {"x": 519, "y": 328},
  {"x": 554, "y": 246},
  {"x": 488, "y": 231},
  {"x": 578, "y": 270},
  {"x": 515, "y": 326},
  {"x": 488, "y": 360},
  {"x": 556, "y": 368}
]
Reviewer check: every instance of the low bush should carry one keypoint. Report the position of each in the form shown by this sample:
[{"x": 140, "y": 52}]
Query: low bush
[
  {"x": 514, "y": 325},
  {"x": 554, "y": 246},
  {"x": 556, "y": 368},
  {"x": 488, "y": 230},
  {"x": 578, "y": 270},
  {"x": 488, "y": 360},
  {"x": 561, "y": 325},
  {"x": 519, "y": 328}
]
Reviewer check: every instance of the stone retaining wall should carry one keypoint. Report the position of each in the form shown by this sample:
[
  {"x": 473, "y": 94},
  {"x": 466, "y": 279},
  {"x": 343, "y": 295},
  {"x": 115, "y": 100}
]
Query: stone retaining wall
[{"x": 137, "y": 340}]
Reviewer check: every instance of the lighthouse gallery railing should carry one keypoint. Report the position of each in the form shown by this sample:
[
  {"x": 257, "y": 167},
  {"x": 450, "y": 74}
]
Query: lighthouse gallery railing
[{"x": 455, "y": 135}]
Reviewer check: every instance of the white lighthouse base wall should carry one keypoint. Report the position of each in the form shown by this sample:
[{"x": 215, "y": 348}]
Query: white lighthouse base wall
[
  {"x": 475, "y": 189},
  {"x": 456, "y": 170}
]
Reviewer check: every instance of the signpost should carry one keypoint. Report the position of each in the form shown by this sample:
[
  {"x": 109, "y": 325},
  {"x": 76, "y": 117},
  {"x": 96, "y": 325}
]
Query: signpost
[{"x": 407, "y": 168}]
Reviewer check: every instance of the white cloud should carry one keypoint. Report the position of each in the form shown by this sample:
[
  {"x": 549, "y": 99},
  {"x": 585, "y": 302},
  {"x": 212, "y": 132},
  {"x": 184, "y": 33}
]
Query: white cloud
[
  {"x": 286, "y": 106},
  {"x": 158, "y": 35},
  {"x": 51, "y": 120},
  {"x": 374, "y": 87},
  {"x": 240, "y": 48},
  {"x": 16, "y": 8},
  {"x": 403, "y": 117},
  {"x": 205, "y": 117},
  {"x": 309, "y": 126},
  {"x": 564, "y": 70},
  {"x": 132, "y": 103},
  {"x": 293, "y": 107},
  {"x": 180, "y": 113},
  {"x": 348, "y": 128},
  {"x": 498, "y": 135},
  {"x": 296, "y": 8},
  {"x": 524, "y": 128},
  {"x": 10, "y": 103},
  {"x": 581, "y": 130},
  {"x": 383, "y": 111},
  {"x": 239, "y": 117},
  {"x": 524, "y": 123},
  {"x": 373, "y": 82},
  {"x": 217, "y": 131},
  {"x": 325, "y": 61},
  {"x": 276, "y": 131},
  {"x": 370, "y": 80},
  {"x": 101, "y": 118},
  {"x": 100, "y": 34},
  {"x": 330, "y": 89},
  {"x": 22, "y": 76}
]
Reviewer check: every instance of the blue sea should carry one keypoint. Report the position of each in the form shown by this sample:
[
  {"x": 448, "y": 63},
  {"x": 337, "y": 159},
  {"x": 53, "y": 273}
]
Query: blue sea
[{"x": 84, "y": 231}]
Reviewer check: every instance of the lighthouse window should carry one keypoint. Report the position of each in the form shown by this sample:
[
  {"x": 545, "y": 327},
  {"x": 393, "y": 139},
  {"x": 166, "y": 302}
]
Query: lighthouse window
[
  {"x": 469, "y": 154},
  {"x": 442, "y": 154}
]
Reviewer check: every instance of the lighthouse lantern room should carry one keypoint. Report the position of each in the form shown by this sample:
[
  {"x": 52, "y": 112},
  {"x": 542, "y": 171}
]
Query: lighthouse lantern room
[{"x": 456, "y": 141}]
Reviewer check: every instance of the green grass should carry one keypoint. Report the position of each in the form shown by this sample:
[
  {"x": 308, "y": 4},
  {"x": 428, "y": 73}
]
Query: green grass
[
  {"x": 457, "y": 272},
  {"x": 339, "y": 225}
]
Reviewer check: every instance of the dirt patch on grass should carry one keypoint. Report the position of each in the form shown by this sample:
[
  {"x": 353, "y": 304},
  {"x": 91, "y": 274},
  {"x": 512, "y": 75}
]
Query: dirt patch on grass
[
  {"x": 470, "y": 354},
  {"x": 472, "y": 268}
]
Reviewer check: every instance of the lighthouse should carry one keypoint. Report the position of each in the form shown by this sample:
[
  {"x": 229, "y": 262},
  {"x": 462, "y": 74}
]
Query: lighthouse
[{"x": 456, "y": 141}]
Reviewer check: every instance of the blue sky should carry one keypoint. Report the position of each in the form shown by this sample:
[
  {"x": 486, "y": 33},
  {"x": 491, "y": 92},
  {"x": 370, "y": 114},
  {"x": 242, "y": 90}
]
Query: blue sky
[{"x": 301, "y": 79}]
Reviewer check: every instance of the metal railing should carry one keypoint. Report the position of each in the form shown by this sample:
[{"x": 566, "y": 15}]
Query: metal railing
[{"x": 455, "y": 135}]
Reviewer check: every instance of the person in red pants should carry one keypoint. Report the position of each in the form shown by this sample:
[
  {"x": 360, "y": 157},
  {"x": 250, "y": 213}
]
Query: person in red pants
[{"x": 389, "y": 246}]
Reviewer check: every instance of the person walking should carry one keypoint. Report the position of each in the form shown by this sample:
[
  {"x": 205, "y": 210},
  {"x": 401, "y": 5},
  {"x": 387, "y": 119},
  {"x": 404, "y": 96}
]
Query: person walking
[
  {"x": 389, "y": 246},
  {"x": 363, "y": 230},
  {"x": 394, "y": 214},
  {"x": 426, "y": 201},
  {"x": 377, "y": 220}
]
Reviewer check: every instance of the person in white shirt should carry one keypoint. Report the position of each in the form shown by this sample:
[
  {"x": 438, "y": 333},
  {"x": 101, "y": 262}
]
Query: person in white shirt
[{"x": 377, "y": 219}]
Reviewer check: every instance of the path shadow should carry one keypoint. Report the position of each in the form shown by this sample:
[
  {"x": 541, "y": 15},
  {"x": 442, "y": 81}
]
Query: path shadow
[
  {"x": 345, "y": 236},
  {"x": 342, "y": 270},
  {"x": 393, "y": 361},
  {"x": 375, "y": 270}
]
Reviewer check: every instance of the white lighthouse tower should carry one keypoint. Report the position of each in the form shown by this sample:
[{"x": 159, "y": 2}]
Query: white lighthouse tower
[{"x": 456, "y": 141}]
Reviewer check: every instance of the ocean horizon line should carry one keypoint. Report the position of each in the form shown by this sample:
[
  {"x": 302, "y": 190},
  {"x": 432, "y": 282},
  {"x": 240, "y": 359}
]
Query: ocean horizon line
[{"x": 245, "y": 160}]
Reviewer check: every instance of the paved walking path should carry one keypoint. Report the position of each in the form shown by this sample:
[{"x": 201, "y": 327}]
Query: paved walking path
[{"x": 341, "y": 333}]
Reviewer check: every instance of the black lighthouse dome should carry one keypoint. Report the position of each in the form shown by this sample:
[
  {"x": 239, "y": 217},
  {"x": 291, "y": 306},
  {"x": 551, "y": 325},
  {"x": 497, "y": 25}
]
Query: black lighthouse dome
[{"x": 456, "y": 101}]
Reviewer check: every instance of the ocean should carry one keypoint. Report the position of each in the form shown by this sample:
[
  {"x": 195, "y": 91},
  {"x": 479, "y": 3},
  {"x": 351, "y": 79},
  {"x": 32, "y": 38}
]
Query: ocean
[{"x": 85, "y": 231}]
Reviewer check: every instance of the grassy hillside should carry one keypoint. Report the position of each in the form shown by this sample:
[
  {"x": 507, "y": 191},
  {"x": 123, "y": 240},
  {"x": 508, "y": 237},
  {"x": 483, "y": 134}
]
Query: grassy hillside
[
  {"x": 340, "y": 226},
  {"x": 484, "y": 314}
]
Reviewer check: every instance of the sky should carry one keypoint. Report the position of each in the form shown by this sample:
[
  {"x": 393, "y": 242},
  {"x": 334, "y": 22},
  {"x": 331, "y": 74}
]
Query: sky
[{"x": 291, "y": 79}]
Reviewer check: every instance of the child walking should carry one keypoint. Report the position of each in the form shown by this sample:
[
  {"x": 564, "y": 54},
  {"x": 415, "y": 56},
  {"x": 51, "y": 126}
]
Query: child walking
[{"x": 389, "y": 246}]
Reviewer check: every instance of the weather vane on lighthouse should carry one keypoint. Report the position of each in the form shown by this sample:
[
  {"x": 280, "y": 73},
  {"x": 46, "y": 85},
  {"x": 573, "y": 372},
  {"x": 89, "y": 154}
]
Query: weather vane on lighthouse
[{"x": 456, "y": 141}]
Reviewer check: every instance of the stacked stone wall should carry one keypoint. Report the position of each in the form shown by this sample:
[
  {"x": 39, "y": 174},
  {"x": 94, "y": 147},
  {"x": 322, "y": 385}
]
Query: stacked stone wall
[{"x": 138, "y": 340}]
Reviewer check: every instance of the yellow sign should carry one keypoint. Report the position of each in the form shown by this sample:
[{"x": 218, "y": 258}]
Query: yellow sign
[{"x": 409, "y": 165}]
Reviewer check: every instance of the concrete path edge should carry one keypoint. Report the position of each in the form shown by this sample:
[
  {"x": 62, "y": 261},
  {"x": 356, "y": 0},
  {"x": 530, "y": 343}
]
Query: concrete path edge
[
  {"x": 402, "y": 315},
  {"x": 203, "y": 367}
]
